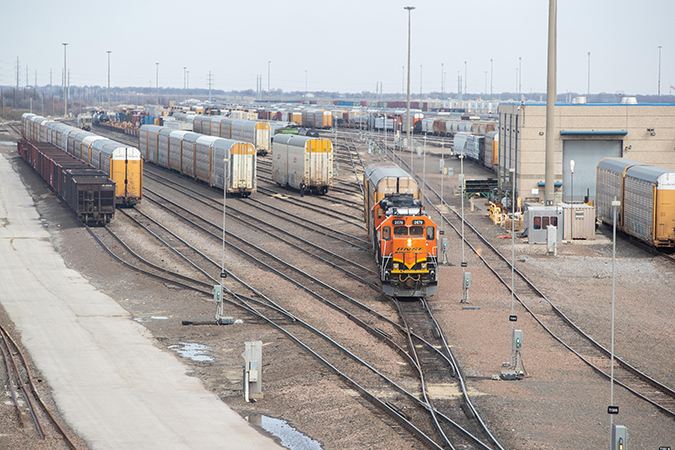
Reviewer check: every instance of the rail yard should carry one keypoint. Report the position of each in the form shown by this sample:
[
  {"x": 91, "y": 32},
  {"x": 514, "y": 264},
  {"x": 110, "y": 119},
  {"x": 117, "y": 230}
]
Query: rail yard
[{"x": 342, "y": 362}]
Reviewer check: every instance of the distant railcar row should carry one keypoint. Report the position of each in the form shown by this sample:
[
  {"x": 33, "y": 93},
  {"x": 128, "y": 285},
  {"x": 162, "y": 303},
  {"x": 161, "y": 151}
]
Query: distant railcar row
[
  {"x": 87, "y": 191},
  {"x": 257, "y": 132},
  {"x": 121, "y": 163}
]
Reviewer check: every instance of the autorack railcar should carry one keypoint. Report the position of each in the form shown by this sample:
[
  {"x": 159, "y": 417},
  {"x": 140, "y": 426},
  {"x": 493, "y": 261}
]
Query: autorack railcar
[
  {"x": 257, "y": 132},
  {"x": 297, "y": 159},
  {"x": 647, "y": 199},
  {"x": 202, "y": 157},
  {"x": 403, "y": 235}
]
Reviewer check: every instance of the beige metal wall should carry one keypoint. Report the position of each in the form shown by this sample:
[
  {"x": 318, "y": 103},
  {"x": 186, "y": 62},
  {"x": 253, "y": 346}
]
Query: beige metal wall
[{"x": 524, "y": 126}]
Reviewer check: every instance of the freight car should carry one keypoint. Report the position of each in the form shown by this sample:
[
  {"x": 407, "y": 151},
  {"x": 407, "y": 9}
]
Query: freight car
[
  {"x": 121, "y": 163},
  {"x": 647, "y": 195},
  {"x": 403, "y": 235},
  {"x": 302, "y": 158},
  {"x": 201, "y": 157},
  {"x": 257, "y": 132},
  {"x": 87, "y": 191}
]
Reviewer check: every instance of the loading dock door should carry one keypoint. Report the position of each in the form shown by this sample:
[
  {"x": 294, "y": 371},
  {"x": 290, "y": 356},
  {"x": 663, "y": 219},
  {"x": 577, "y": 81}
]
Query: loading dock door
[{"x": 586, "y": 155}]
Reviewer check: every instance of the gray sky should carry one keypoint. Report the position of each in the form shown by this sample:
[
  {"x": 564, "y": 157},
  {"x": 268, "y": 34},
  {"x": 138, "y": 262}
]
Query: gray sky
[{"x": 343, "y": 45}]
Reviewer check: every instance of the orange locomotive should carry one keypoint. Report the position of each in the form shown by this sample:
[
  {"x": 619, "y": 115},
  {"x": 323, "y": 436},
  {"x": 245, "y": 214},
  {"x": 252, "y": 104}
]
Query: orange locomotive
[{"x": 404, "y": 237}]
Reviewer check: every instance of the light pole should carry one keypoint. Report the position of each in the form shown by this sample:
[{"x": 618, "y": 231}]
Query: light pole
[
  {"x": 157, "y": 81},
  {"x": 465, "y": 77},
  {"x": 520, "y": 76},
  {"x": 588, "y": 92},
  {"x": 305, "y": 83},
  {"x": 549, "y": 181},
  {"x": 461, "y": 192},
  {"x": 108, "y": 52},
  {"x": 268, "y": 78},
  {"x": 491, "y": 73},
  {"x": 184, "y": 84},
  {"x": 65, "y": 82},
  {"x": 420, "y": 81},
  {"x": 659, "y": 71},
  {"x": 512, "y": 171},
  {"x": 409, "y": 8}
]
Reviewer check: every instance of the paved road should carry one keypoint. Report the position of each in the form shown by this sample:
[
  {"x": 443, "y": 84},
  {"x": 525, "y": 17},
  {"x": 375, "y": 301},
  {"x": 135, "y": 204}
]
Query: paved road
[{"x": 112, "y": 385}]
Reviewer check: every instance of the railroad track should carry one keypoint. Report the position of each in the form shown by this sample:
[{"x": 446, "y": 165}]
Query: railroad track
[
  {"x": 345, "y": 304},
  {"x": 29, "y": 406},
  {"x": 558, "y": 325}
]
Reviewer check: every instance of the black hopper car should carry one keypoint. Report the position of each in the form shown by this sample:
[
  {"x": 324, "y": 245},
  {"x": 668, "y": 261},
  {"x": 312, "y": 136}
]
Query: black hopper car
[{"x": 87, "y": 191}]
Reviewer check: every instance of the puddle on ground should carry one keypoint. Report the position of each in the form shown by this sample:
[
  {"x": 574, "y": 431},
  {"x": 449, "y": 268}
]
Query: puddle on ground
[
  {"x": 290, "y": 437},
  {"x": 196, "y": 352}
]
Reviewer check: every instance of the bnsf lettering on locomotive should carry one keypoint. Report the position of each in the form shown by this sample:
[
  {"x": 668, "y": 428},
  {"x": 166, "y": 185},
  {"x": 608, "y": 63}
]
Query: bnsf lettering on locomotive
[{"x": 412, "y": 249}]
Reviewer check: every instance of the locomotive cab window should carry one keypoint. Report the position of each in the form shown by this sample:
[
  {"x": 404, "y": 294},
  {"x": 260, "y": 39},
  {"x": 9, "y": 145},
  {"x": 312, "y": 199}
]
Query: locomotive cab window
[
  {"x": 386, "y": 233},
  {"x": 416, "y": 231},
  {"x": 401, "y": 231},
  {"x": 431, "y": 233}
]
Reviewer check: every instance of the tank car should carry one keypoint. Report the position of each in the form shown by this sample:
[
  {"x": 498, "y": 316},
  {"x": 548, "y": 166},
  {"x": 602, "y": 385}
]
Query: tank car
[
  {"x": 647, "y": 196},
  {"x": 302, "y": 158},
  {"x": 403, "y": 235}
]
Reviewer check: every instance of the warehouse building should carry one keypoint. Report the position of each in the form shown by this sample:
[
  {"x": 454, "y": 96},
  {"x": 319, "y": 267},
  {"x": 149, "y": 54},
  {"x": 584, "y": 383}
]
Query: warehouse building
[{"x": 585, "y": 133}]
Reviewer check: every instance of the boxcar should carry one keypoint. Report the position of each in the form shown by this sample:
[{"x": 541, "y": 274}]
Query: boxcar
[
  {"x": 647, "y": 195},
  {"x": 297, "y": 158}
]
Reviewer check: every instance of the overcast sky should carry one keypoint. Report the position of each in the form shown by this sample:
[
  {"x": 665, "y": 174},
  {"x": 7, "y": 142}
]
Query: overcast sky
[{"x": 343, "y": 45}]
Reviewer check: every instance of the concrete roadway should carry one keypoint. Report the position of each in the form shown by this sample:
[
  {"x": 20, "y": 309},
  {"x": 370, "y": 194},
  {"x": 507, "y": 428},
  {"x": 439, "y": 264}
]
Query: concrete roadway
[{"x": 111, "y": 384}]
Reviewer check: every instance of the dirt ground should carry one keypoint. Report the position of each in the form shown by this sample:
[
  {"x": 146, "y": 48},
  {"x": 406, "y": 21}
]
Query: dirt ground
[{"x": 560, "y": 404}]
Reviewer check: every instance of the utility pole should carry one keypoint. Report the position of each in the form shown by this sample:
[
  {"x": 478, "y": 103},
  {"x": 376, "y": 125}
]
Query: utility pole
[
  {"x": 157, "y": 83},
  {"x": 210, "y": 84},
  {"x": 442, "y": 79},
  {"x": 659, "y": 71},
  {"x": 65, "y": 81},
  {"x": 109, "y": 52}
]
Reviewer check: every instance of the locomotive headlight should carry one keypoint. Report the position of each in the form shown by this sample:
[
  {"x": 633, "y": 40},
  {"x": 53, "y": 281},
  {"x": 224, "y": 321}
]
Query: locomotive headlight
[
  {"x": 424, "y": 265},
  {"x": 395, "y": 266},
  {"x": 409, "y": 242}
]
